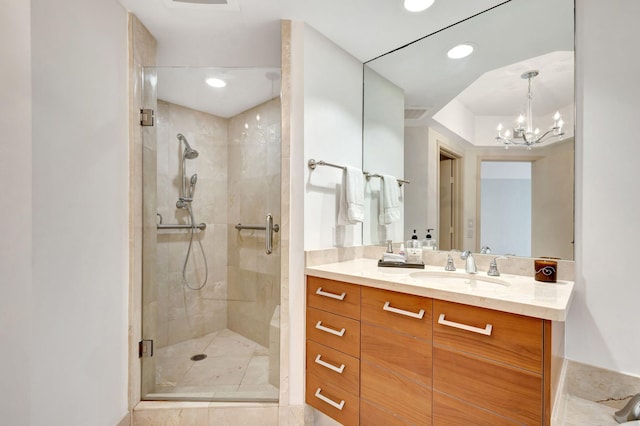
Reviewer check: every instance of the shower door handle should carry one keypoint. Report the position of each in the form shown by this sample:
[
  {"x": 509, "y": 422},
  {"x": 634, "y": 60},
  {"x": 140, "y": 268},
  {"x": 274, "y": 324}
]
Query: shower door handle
[{"x": 269, "y": 229}]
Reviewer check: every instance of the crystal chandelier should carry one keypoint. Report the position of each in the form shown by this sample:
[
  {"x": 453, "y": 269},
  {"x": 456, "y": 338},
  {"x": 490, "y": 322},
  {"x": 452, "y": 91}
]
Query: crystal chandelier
[{"x": 525, "y": 133}]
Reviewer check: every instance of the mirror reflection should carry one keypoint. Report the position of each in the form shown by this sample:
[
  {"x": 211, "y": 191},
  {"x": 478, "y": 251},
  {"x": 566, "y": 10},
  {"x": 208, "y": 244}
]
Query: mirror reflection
[{"x": 486, "y": 140}]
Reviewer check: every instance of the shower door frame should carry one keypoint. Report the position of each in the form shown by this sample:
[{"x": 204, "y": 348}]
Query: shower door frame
[{"x": 149, "y": 234}]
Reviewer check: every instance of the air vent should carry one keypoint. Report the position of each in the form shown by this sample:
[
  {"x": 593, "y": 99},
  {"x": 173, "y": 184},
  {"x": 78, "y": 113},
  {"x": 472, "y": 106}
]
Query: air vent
[
  {"x": 218, "y": 5},
  {"x": 415, "y": 113},
  {"x": 202, "y": 1}
]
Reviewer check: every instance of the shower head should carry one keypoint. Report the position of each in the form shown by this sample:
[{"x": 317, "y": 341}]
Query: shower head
[
  {"x": 189, "y": 153},
  {"x": 192, "y": 185}
]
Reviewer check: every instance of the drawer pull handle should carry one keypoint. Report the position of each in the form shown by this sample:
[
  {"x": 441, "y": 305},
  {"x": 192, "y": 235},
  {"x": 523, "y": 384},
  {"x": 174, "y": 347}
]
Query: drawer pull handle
[
  {"x": 387, "y": 307},
  {"x": 486, "y": 330},
  {"x": 319, "y": 292},
  {"x": 321, "y": 327},
  {"x": 338, "y": 370},
  {"x": 328, "y": 401}
]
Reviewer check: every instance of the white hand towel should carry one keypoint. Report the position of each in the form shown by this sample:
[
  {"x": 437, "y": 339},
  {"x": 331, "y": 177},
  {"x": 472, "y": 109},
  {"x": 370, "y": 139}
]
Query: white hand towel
[
  {"x": 351, "y": 206},
  {"x": 389, "y": 200}
]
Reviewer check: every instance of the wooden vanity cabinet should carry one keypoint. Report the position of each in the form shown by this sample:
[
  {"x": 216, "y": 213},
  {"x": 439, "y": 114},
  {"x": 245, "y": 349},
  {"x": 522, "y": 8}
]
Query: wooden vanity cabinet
[{"x": 378, "y": 357}]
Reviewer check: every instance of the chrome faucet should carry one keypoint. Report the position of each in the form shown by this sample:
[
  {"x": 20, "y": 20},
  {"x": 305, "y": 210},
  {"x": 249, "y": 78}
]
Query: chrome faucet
[
  {"x": 449, "y": 266},
  {"x": 493, "y": 268},
  {"x": 485, "y": 250},
  {"x": 470, "y": 265},
  {"x": 630, "y": 412}
]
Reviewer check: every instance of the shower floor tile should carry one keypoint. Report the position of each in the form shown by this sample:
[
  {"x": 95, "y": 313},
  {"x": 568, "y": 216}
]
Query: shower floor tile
[{"x": 235, "y": 368}]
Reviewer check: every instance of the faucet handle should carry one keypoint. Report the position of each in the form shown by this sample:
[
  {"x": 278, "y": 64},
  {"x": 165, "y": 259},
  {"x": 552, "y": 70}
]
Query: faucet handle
[
  {"x": 493, "y": 267},
  {"x": 450, "y": 266}
]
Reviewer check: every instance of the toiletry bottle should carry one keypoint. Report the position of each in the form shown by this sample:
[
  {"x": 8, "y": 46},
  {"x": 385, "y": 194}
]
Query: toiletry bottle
[
  {"x": 402, "y": 251},
  {"x": 414, "y": 249},
  {"x": 429, "y": 243}
]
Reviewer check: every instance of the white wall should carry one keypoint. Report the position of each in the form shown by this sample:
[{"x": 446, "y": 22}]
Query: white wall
[
  {"x": 80, "y": 213},
  {"x": 383, "y": 139},
  {"x": 333, "y": 133},
  {"x": 418, "y": 193},
  {"x": 602, "y": 328},
  {"x": 15, "y": 220}
]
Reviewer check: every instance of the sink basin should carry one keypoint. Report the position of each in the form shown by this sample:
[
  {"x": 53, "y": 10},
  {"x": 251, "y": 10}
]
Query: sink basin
[{"x": 458, "y": 278}]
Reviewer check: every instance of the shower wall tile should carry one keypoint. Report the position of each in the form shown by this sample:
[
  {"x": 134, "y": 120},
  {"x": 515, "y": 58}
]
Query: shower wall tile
[
  {"x": 254, "y": 191},
  {"x": 192, "y": 313}
]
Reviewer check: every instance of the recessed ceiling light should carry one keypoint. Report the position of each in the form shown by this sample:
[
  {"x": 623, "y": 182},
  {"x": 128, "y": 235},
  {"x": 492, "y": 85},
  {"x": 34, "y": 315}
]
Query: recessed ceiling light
[
  {"x": 417, "y": 5},
  {"x": 215, "y": 82},
  {"x": 460, "y": 51}
]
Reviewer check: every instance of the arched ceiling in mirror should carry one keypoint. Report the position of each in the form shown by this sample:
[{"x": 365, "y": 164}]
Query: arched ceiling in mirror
[{"x": 515, "y": 37}]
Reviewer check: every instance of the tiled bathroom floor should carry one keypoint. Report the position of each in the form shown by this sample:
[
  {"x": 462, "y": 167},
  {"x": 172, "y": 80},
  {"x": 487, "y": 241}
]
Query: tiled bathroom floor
[{"x": 235, "y": 368}]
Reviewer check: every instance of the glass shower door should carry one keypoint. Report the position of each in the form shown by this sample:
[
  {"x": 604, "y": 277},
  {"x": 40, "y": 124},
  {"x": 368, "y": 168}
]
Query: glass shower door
[{"x": 211, "y": 292}]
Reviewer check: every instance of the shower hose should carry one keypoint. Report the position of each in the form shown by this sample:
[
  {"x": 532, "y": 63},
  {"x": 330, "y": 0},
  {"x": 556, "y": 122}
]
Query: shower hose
[{"x": 186, "y": 258}]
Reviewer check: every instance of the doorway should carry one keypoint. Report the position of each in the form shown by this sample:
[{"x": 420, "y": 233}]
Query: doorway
[
  {"x": 505, "y": 207},
  {"x": 450, "y": 214}
]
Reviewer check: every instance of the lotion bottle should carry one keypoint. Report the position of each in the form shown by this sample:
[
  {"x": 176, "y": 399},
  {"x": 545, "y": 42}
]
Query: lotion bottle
[
  {"x": 429, "y": 243},
  {"x": 414, "y": 249}
]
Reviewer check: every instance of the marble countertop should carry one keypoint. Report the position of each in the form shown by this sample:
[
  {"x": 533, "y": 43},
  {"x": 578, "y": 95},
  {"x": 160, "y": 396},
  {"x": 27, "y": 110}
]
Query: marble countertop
[{"x": 508, "y": 293}]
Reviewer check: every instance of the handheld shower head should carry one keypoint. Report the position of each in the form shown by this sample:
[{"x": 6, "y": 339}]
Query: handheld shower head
[
  {"x": 189, "y": 153},
  {"x": 192, "y": 184}
]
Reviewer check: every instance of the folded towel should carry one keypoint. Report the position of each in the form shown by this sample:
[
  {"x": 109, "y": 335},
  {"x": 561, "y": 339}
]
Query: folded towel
[
  {"x": 393, "y": 257},
  {"x": 389, "y": 200},
  {"x": 351, "y": 205}
]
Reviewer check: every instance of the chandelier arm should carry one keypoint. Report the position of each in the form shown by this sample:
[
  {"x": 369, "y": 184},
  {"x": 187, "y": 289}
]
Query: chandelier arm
[{"x": 538, "y": 140}]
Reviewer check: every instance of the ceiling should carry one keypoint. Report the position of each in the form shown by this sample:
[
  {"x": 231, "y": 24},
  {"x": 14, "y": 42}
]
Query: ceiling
[
  {"x": 246, "y": 34},
  {"x": 249, "y": 34}
]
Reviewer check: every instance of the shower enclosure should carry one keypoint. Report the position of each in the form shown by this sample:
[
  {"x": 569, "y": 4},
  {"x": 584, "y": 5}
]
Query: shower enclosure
[{"x": 211, "y": 252}]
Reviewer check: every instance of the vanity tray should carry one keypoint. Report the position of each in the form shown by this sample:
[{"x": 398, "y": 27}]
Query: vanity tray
[{"x": 400, "y": 264}]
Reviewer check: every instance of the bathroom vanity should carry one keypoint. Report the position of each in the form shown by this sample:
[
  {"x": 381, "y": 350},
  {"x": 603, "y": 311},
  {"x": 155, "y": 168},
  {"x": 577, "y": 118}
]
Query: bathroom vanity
[{"x": 396, "y": 346}]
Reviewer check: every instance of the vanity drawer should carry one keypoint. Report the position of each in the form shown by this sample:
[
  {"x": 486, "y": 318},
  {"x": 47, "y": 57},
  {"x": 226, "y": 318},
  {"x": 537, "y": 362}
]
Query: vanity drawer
[
  {"x": 510, "y": 392},
  {"x": 509, "y": 338},
  {"x": 448, "y": 411},
  {"x": 334, "y": 366},
  {"x": 335, "y": 402},
  {"x": 396, "y": 352},
  {"x": 395, "y": 394},
  {"x": 335, "y": 331},
  {"x": 334, "y": 296},
  {"x": 403, "y": 313}
]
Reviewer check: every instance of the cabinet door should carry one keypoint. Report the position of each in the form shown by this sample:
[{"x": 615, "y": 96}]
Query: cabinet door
[
  {"x": 403, "y": 313},
  {"x": 335, "y": 331},
  {"x": 509, "y": 338},
  {"x": 334, "y": 366},
  {"x": 335, "y": 402},
  {"x": 400, "y": 353},
  {"x": 510, "y": 392},
  {"x": 334, "y": 296},
  {"x": 396, "y": 394},
  {"x": 448, "y": 411}
]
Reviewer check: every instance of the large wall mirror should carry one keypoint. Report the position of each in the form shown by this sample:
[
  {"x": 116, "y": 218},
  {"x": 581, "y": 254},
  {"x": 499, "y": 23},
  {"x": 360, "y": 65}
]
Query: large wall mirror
[{"x": 476, "y": 191}]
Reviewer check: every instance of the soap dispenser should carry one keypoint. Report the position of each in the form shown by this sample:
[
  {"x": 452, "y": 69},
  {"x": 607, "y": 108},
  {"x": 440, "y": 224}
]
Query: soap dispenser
[
  {"x": 414, "y": 249},
  {"x": 429, "y": 243}
]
